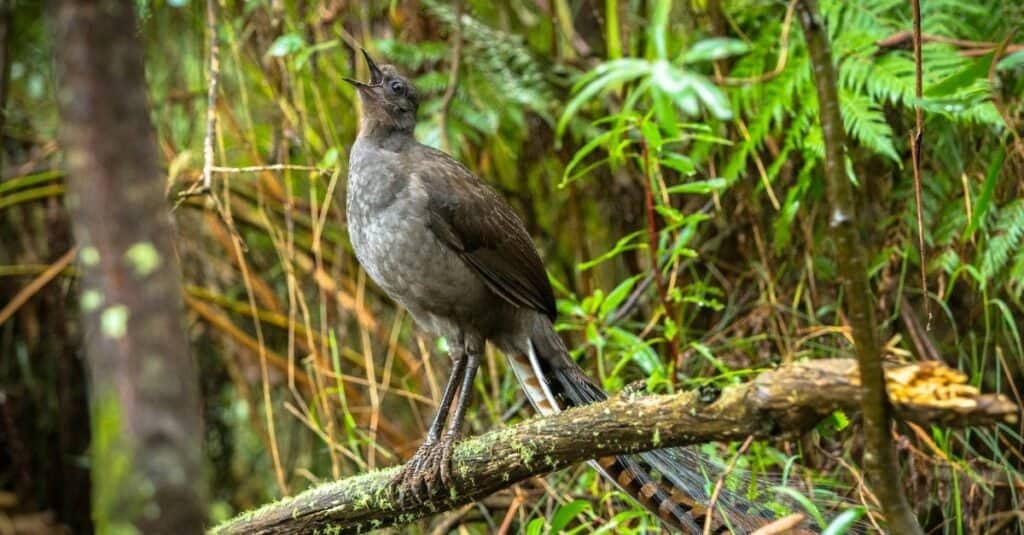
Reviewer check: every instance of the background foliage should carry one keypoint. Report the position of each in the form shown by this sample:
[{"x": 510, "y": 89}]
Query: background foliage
[{"x": 666, "y": 157}]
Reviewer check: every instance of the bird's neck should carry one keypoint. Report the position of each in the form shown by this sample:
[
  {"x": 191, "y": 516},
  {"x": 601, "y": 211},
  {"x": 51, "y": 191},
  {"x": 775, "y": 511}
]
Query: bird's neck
[{"x": 387, "y": 131}]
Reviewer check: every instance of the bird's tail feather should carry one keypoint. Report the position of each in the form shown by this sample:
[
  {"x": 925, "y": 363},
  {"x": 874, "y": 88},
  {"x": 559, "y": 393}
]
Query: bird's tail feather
[{"x": 670, "y": 483}]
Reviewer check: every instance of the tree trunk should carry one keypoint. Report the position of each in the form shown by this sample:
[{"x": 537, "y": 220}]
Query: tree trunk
[{"x": 144, "y": 398}]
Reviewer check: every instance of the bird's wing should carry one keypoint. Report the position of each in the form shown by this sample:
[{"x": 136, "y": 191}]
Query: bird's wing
[{"x": 468, "y": 216}]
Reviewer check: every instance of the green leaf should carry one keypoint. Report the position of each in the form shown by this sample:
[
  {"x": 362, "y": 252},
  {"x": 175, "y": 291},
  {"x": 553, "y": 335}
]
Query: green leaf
[
  {"x": 984, "y": 202},
  {"x": 303, "y": 56},
  {"x": 711, "y": 96},
  {"x": 624, "y": 244},
  {"x": 682, "y": 164},
  {"x": 288, "y": 43},
  {"x": 616, "y": 297},
  {"x": 535, "y": 527},
  {"x": 705, "y": 352},
  {"x": 637, "y": 350},
  {"x": 804, "y": 502},
  {"x": 671, "y": 329},
  {"x": 846, "y": 520},
  {"x": 665, "y": 112},
  {"x": 566, "y": 513},
  {"x": 585, "y": 150},
  {"x": 704, "y": 187},
  {"x": 716, "y": 48},
  {"x": 669, "y": 78},
  {"x": 865, "y": 122},
  {"x": 594, "y": 336},
  {"x": 330, "y": 158},
  {"x": 608, "y": 74},
  {"x": 1012, "y": 61},
  {"x": 658, "y": 27},
  {"x": 960, "y": 80},
  {"x": 840, "y": 421},
  {"x": 618, "y": 521},
  {"x": 652, "y": 136}
]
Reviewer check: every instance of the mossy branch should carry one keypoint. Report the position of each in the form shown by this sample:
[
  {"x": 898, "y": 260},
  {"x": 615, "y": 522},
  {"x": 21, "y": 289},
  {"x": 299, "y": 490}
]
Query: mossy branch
[{"x": 786, "y": 401}]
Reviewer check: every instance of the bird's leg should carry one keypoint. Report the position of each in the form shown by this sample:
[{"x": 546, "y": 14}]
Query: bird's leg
[
  {"x": 474, "y": 352},
  {"x": 458, "y": 370},
  {"x": 411, "y": 478}
]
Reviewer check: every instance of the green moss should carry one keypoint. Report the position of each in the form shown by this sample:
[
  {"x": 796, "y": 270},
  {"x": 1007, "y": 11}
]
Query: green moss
[
  {"x": 114, "y": 321},
  {"x": 527, "y": 453},
  {"x": 120, "y": 494},
  {"x": 90, "y": 256},
  {"x": 91, "y": 300},
  {"x": 144, "y": 258}
]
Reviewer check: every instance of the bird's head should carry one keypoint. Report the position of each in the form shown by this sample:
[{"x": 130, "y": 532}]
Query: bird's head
[{"x": 389, "y": 100}]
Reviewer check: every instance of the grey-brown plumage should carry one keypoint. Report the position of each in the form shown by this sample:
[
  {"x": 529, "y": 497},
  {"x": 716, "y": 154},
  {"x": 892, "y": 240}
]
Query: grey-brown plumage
[{"x": 447, "y": 247}]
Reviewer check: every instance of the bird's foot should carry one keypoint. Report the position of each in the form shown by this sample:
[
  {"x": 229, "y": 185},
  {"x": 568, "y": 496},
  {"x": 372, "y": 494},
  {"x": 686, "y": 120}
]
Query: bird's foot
[{"x": 429, "y": 470}]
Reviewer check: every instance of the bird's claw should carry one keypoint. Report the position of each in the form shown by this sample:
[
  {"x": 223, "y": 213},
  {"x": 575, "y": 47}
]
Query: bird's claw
[{"x": 428, "y": 472}]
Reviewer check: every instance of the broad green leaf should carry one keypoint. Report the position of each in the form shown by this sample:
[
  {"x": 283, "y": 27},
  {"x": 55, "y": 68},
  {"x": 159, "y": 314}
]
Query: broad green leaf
[
  {"x": 616, "y": 297},
  {"x": 288, "y": 43},
  {"x": 843, "y": 523},
  {"x": 960, "y": 80},
  {"x": 668, "y": 77},
  {"x": 566, "y": 513},
  {"x": 711, "y": 96},
  {"x": 1012, "y": 61},
  {"x": 716, "y": 48},
  {"x": 638, "y": 351}
]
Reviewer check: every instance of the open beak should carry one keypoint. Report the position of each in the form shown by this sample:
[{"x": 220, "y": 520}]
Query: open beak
[{"x": 376, "y": 76}]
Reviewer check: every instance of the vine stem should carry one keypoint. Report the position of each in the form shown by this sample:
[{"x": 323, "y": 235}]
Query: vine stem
[{"x": 652, "y": 235}]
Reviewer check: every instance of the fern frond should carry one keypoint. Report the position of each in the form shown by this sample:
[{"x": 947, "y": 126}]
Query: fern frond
[
  {"x": 1008, "y": 232},
  {"x": 865, "y": 123}
]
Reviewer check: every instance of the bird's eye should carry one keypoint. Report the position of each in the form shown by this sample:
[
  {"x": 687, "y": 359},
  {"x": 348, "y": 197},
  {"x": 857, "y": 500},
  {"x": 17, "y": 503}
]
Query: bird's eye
[{"x": 397, "y": 87}]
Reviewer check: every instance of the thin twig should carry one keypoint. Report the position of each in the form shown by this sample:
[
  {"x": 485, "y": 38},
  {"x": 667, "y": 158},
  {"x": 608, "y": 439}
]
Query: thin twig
[
  {"x": 968, "y": 48},
  {"x": 211, "y": 95},
  {"x": 780, "y": 64},
  {"x": 37, "y": 284},
  {"x": 204, "y": 184},
  {"x": 915, "y": 156},
  {"x": 238, "y": 249},
  {"x": 274, "y": 167},
  {"x": 785, "y": 524},
  {"x": 453, "y": 80},
  {"x": 652, "y": 235},
  {"x": 721, "y": 479}
]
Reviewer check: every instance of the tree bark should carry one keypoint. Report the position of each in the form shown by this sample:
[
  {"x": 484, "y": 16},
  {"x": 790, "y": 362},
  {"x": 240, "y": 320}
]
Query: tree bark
[
  {"x": 787, "y": 401},
  {"x": 880, "y": 460},
  {"x": 144, "y": 396}
]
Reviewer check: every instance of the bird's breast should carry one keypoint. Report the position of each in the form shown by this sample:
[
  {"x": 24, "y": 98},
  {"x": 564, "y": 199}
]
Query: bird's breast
[{"x": 388, "y": 226}]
